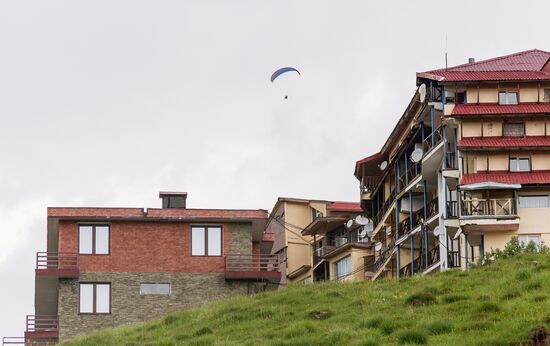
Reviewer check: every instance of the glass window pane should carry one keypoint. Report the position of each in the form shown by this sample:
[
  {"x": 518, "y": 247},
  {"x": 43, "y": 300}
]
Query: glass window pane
[
  {"x": 502, "y": 98},
  {"x": 524, "y": 165},
  {"x": 102, "y": 240},
  {"x": 86, "y": 298},
  {"x": 534, "y": 202},
  {"x": 85, "y": 239},
  {"x": 103, "y": 298},
  {"x": 513, "y": 165},
  {"x": 512, "y": 98},
  {"x": 154, "y": 289},
  {"x": 197, "y": 241},
  {"x": 215, "y": 241}
]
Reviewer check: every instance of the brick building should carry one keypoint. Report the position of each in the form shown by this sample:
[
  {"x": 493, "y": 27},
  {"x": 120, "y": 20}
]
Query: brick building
[{"x": 110, "y": 266}]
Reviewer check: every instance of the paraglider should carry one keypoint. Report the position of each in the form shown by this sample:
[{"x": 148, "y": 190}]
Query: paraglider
[{"x": 282, "y": 71}]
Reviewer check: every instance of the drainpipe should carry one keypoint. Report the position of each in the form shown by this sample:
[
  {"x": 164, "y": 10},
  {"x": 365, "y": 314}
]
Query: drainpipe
[
  {"x": 411, "y": 225},
  {"x": 398, "y": 261},
  {"x": 424, "y": 229},
  {"x": 466, "y": 249}
]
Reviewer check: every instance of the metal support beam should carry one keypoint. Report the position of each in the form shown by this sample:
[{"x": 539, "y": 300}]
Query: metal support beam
[
  {"x": 398, "y": 261},
  {"x": 466, "y": 249}
]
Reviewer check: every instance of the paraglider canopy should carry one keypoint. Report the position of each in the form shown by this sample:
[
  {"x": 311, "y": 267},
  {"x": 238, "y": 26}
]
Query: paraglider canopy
[{"x": 281, "y": 71}]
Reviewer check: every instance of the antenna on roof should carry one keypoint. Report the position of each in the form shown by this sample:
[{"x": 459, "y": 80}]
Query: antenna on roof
[{"x": 446, "y": 65}]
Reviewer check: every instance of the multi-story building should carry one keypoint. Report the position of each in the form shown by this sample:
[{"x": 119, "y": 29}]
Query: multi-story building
[
  {"x": 287, "y": 222},
  {"x": 110, "y": 266},
  {"x": 466, "y": 168},
  {"x": 341, "y": 248}
]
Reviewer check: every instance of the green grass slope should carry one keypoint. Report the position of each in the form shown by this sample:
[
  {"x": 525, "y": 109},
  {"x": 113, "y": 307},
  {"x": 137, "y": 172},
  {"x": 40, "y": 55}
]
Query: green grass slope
[{"x": 498, "y": 304}]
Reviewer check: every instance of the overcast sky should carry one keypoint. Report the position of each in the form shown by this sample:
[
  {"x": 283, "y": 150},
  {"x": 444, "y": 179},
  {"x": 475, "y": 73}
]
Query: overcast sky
[{"x": 104, "y": 103}]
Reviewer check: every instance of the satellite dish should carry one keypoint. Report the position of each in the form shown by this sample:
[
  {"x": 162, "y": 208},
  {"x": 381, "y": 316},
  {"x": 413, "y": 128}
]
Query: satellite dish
[
  {"x": 436, "y": 231},
  {"x": 361, "y": 220},
  {"x": 416, "y": 155},
  {"x": 422, "y": 92},
  {"x": 363, "y": 232},
  {"x": 383, "y": 165},
  {"x": 378, "y": 246},
  {"x": 457, "y": 234},
  {"x": 349, "y": 223},
  {"x": 388, "y": 230}
]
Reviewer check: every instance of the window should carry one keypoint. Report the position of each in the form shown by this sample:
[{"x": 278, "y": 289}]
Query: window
[
  {"x": 525, "y": 239},
  {"x": 460, "y": 98},
  {"x": 520, "y": 164},
  {"x": 508, "y": 98},
  {"x": 154, "y": 288},
  {"x": 343, "y": 267},
  {"x": 306, "y": 280},
  {"x": 534, "y": 201},
  {"x": 206, "y": 241},
  {"x": 93, "y": 239},
  {"x": 546, "y": 95},
  {"x": 315, "y": 213},
  {"x": 95, "y": 298},
  {"x": 513, "y": 129}
]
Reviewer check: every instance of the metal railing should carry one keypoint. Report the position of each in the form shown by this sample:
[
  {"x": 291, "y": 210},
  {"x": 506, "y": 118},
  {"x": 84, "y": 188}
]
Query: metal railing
[
  {"x": 409, "y": 175},
  {"x": 451, "y": 161},
  {"x": 383, "y": 208},
  {"x": 452, "y": 209},
  {"x": 12, "y": 340},
  {"x": 382, "y": 257},
  {"x": 53, "y": 260},
  {"x": 489, "y": 207},
  {"x": 42, "y": 323},
  {"x": 453, "y": 259},
  {"x": 251, "y": 263},
  {"x": 368, "y": 183},
  {"x": 434, "y": 139}
]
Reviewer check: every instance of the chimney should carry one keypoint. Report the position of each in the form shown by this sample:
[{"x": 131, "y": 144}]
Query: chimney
[
  {"x": 471, "y": 60},
  {"x": 173, "y": 199}
]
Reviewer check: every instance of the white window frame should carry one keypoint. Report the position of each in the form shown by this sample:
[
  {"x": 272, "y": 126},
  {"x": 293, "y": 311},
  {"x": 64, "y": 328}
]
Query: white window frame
[
  {"x": 525, "y": 239},
  {"x": 527, "y": 205},
  {"x": 141, "y": 289},
  {"x": 339, "y": 274},
  {"x": 95, "y": 240},
  {"x": 94, "y": 298},
  {"x": 507, "y": 97},
  {"x": 514, "y": 163}
]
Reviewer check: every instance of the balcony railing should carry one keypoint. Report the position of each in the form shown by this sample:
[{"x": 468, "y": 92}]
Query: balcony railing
[
  {"x": 453, "y": 259},
  {"x": 382, "y": 257},
  {"x": 57, "y": 264},
  {"x": 405, "y": 226},
  {"x": 418, "y": 264},
  {"x": 489, "y": 207},
  {"x": 451, "y": 161},
  {"x": 434, "y": 139},
  {"x": 10, "y": 340},
  {"x": 452, "y": 209},
  {"x": 409, "y": 175},
  {"x": 248, "y": 266},
  {"x": 383, "y": 209},
  {"x": 42, "y": 323},
  {"x": 368, "y": 183}
]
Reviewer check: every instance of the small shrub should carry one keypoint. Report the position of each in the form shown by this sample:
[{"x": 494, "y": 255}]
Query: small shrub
[
  {"x": 203, "y": 331},
  {"x": 488, "y": 307},
  {"x": 533, "y": 285},
  {"x": 452, "y": 298},
  {"x": 440, "y": 327},
  {"x": 388, "y": 327},
  {"x": 524, "y": 275},
  {"x": 374, "y": 322},
  {"x": 421, "y": 298},
  {"x": 413, "y": 337}
]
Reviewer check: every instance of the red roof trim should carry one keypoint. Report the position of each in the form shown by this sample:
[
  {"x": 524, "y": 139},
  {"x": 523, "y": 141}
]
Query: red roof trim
[
  {"x": 524, "y": 178},
  {"x": 529, "y": 141},
  {"x": 344, "y": 206},
  {"x": 494, "y": 108},
  {"x": 369, "y": 158}
]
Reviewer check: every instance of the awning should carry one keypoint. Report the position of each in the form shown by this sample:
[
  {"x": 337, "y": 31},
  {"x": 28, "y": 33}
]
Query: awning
[{"x": 489, "y": 185}]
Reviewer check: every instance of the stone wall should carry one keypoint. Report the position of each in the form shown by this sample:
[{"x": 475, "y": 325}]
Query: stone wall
[
  {"x": 128, "y": 306},
  {"x": 241, "y": 238}
]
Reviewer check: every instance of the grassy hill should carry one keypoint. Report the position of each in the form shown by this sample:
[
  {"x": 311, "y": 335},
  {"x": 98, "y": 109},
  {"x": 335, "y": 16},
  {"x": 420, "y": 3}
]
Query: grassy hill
[{"x": 498, "y": 304}]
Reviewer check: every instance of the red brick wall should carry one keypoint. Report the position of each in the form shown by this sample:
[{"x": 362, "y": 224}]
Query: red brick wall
[{"x": 146, "y": 247}]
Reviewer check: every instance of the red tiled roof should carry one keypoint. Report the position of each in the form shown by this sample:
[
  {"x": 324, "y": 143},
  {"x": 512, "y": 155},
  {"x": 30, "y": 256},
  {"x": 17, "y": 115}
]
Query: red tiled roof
[
  {"x": 541, "y": 177},
  {"x": 527, "y": 65},
  {"x": 507, "y": 142},
  {"x": 369, "y": 158},
  {"x": 344, "y": 206},
  {"x": 493, "y": 108},
  {"x": 154, "y": 213}
]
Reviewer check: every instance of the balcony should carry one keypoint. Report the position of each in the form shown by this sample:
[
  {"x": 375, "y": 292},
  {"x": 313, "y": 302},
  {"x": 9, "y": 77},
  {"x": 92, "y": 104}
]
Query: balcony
[
  {"x": 409, "y": 176},
  {"x": 61, "y": 265},
  {"x": 252, "y": 267},
  {"x": 418, "y": 265},
  {"x": 42, "y": 329},
  {"x": 405, "y": 226},
  {"x": 489, "y": 214}
]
